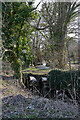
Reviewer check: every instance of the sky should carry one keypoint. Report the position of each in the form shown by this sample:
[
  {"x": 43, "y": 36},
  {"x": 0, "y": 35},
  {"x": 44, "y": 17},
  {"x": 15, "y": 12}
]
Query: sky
[
  {"x": 37, "y": 1},
  {"x": 39, "y": 7}
]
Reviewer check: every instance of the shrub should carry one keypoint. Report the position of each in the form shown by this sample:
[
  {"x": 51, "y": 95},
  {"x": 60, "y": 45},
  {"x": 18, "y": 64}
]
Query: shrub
[{"x": 61, "y": 80}]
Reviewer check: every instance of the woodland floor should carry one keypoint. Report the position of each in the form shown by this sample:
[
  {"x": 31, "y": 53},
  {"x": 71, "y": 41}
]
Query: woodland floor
[{"x": 21, "y": 103}]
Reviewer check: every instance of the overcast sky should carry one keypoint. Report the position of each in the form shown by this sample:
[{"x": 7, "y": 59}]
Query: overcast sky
[{"x": 37, "y": 1}]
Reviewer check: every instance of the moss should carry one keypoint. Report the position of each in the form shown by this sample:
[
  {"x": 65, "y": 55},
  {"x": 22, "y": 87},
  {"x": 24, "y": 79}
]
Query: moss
[
  {"x": 34, "y": 70},
  {"x": 31, "y": 69},
  {"x": 4, "y": 83}
]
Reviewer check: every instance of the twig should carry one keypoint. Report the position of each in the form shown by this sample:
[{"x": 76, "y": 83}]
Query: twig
[
  {"x": 48, "y": 93},
  {"x": 37, "y": 90}
]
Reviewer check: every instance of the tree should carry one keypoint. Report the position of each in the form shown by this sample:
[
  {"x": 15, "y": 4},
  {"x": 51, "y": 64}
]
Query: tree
[
  {"x": 57, "y": 16},
  {"x": 16, "y": 32},
  {"x": 37, "y": 40},
  {"x": 66, "y": 12}
]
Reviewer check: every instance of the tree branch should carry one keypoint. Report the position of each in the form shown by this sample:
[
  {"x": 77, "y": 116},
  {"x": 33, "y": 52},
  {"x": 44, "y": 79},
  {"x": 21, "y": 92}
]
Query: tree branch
[
  {"x": 38, "y": 22},
  {"x": 36, "y": 6},
  {"x": 8, "y": 50},
  {"x": 41, "y": 28}
]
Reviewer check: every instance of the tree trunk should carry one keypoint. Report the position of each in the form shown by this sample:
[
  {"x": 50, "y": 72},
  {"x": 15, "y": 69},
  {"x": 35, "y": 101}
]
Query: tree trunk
[{"x": 60, "y": 52}]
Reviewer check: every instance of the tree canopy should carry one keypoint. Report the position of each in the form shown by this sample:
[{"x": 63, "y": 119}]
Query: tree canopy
[
  {"x": 16, "y": 32},
  {"x": 24, "y": 28}
]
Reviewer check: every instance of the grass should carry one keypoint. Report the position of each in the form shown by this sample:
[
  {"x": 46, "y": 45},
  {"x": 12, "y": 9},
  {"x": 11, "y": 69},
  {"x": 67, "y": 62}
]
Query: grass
[
  {"x": 9, "y": 89},
  {"x": 31, "y": 69},
  {"x": 4, "y": 83},
  {"x": 27, "y": 113},
  {"x": 32, "y": 116},
  {"x": 37, "y": 71},
  {"x": 34, "y": 70}
]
